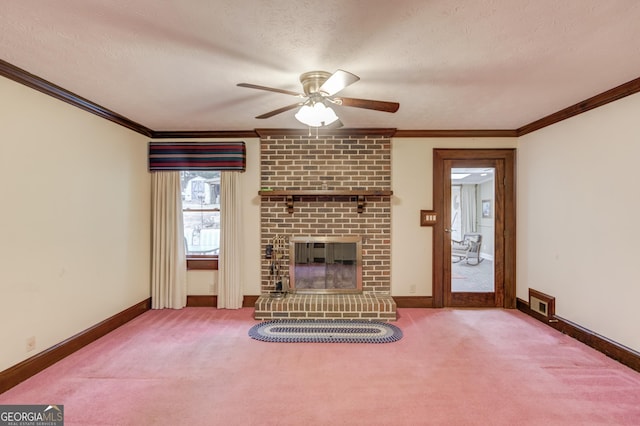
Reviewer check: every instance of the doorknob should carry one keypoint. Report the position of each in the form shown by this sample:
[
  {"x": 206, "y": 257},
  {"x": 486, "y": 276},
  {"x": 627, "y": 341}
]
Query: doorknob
[{"x": 447, "y": 230}]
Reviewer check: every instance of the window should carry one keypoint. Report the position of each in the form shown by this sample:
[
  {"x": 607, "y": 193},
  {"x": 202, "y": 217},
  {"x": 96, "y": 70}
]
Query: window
[{"x": 201, "y": 215}]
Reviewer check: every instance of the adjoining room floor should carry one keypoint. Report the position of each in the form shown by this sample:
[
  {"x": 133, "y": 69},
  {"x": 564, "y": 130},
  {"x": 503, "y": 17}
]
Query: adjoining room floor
[{"x": 471, "y": 277}]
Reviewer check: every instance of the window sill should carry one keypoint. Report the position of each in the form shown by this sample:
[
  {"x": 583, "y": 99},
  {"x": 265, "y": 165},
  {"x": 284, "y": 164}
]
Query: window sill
[{"x": 194, "y": 263}]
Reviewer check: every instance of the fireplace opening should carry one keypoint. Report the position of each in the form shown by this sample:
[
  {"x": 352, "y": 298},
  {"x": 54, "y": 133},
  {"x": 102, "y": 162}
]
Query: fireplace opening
[{"x": 325, "y": 265}]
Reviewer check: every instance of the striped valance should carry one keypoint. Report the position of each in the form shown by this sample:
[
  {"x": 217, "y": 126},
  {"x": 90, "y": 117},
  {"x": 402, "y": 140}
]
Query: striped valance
[{"x": 197, "y": 156}]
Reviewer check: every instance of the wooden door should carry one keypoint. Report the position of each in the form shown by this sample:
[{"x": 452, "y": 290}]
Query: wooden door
[{"x": 503, "y": 162}]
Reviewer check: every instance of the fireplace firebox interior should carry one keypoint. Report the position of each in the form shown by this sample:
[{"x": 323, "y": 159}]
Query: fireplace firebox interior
[{"x": 325, "y": 265}]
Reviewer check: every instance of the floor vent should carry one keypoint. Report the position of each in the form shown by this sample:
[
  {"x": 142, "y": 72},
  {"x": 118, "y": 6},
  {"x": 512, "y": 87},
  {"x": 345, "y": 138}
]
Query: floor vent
[{"x": 542, "y": 304}]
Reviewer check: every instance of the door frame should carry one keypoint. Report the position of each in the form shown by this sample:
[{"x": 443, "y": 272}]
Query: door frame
[{"x": 508, "y": 213}]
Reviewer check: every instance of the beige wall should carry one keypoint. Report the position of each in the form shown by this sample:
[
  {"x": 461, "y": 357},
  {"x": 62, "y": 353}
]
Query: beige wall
[
  {"x": 412, "y": 184},
  {"x": 578, "y": 204},
  {"x": 74, "y": 223}
]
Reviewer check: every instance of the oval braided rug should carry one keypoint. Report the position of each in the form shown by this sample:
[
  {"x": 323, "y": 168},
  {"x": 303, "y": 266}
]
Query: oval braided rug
[{"x": 325, "y": 331}]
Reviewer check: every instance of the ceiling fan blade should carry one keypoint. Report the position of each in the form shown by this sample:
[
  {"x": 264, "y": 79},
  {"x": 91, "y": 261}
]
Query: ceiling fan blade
[
  {"x": 369, "y": 104},
  {"x": 338, "y": 81},
  {"x": 270, "y": 89},
  {"x": 279, "y": 110}
]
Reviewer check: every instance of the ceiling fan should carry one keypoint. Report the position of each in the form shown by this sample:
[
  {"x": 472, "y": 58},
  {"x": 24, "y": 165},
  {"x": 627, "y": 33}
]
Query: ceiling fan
[{"x": 320, "y": 88}]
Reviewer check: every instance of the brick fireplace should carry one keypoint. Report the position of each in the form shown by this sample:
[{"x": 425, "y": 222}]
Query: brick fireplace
[{"x": 330, "y": 186}]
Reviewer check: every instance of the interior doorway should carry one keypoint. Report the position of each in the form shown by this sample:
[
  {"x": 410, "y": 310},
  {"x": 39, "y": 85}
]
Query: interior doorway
[
  {"x": 474, "y": 240},
  {"x": 472, "y": 230}
]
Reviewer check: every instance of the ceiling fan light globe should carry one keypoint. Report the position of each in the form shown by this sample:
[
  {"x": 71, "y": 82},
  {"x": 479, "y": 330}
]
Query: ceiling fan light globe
[
  {"x": 305, "y": 115},
  {"x": 329, "y": 116},
  {"x": 317, "y": 115}
]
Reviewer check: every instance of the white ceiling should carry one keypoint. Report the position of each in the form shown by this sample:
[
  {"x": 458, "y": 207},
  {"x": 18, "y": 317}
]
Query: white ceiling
[{"x": 476, "y": 64}]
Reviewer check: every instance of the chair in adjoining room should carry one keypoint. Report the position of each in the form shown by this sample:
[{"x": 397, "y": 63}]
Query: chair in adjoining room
[{"x": 468, "y": 248}]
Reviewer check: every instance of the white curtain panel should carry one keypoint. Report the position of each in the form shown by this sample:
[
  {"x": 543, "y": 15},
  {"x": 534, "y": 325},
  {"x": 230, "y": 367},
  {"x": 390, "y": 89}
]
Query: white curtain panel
[
  {"x": 468, "y": 207},
  {"x": 231, "y": 251},
  {"x": 168, "y": 258}
]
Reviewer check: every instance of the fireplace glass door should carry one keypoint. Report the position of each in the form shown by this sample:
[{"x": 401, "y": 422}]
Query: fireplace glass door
[{"x": 325, "y": 265}]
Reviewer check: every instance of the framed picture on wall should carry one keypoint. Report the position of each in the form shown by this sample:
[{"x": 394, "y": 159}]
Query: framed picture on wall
[{"x": 486, "y": 208}]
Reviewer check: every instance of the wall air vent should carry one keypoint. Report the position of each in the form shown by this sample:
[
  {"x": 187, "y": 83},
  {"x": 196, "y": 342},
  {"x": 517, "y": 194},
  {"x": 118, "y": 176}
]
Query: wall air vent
[{"x": 542, "y": 304}]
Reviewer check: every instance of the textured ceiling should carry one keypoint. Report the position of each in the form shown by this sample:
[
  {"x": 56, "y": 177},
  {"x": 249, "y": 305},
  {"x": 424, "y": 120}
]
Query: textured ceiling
[{"x": 476, "y": 64}]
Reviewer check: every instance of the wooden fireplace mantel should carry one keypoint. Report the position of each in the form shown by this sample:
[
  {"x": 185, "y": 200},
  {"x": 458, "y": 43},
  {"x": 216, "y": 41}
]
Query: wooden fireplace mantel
[{"x": 360, "y": 195}]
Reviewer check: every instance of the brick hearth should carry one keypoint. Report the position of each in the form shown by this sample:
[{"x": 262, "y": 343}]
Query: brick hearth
[{"x": 333, "y": 306}]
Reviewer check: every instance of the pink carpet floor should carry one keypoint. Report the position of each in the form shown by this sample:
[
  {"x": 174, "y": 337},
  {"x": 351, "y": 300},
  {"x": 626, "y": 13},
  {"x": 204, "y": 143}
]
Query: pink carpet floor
[{"x": 197, "y": 366}]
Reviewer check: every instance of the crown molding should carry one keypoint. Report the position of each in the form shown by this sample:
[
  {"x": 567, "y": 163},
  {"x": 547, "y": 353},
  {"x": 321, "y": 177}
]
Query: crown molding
[
  {"x": 596, "y": 101},
  {"x": 495, "y": 133},
  {"x": 23, "y": 77},
  {"x": 194, "y": 134},
  {"x": 180, "y": 134},
  {"x": 383, "y": 132}
]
